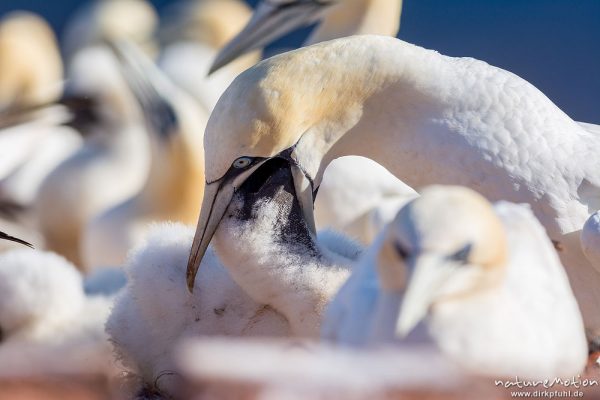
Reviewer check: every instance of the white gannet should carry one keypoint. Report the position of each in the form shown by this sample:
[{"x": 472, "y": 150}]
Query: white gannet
[
  {"x": 31, "y": 68},
  {"x": 48, "y": 326},
  {"x": 175, "y": 183},
  {"x": 193, "y": 37},
  {"x": 110, "y": 167},
  {"x": 108, "y": 20},
  {"x": 426, "y": 117},
  {"x": 338, "y": 18},
  {"x": 357, "y": 196},
  {"x": 486, "y": 280},
  {"x": 31, "y": 74},
  {"x": 266, "y": 287}
]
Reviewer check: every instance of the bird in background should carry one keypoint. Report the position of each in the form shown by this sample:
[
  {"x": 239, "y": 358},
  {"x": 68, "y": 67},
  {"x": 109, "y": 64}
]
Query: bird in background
[
  {"x": 338, "y": 18},
  {"x": 192, "y": 34},
  {"x": 174, "y": 186}
]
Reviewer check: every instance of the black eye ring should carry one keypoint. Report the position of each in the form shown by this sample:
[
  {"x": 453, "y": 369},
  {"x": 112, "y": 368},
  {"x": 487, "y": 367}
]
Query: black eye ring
[
  {"x": 462, "y": 255},
  {"x": 401, "y": 250}
]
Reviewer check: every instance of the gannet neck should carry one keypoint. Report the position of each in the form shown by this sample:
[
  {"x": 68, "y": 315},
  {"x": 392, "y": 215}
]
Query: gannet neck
[
  {"x": 340, "y": 87},
  {"x": 175, "y": 185},
  {"x": 358, "y": 17}
]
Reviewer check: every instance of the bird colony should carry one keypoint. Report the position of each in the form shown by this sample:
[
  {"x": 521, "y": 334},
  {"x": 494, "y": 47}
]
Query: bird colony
[{"x": 357, "y": 218}]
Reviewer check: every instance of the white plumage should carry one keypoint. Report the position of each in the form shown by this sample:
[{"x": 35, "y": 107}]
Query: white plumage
[
  {"x": 496, "y": 297},
  {"x": 49, "y": 326},
  {"x": 266, "y": 287}
]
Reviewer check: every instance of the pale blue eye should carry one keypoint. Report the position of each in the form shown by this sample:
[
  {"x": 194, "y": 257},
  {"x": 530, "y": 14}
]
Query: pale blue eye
[{"x": 242, "y": 162}]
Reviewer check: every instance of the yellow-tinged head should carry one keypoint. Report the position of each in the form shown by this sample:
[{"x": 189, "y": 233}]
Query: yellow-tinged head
[
  {"x": 450, "y": 244},
  {"x": 31, "y": 69},
  {"x": 293, "y": 106}
]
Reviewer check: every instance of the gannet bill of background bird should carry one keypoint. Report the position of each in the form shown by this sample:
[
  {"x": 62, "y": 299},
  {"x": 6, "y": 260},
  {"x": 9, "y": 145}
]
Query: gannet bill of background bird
[
  {"x": 266, "y": 287},
  {"x": 193, "y": 36},
  {"x": 485, "y": 279},
  {"x": 31, "y": 70},
  {"x": 48, "y": 326},
  {"x": 274, "y": 18},
  {"x": 175, "y": 183},
  {"x": 6, "y": 236},
  {"x": 426, "y": 117},
  {"x": 110, "y": 167},
  {"x": 100, "y": 20}
]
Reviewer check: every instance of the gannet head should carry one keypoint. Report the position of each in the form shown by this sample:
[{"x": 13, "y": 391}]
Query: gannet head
[
  {"x": 133, "y": 20},
  {"x": 449, "y": 242},
  {"x": 30, "y": 62},
  {"x": 271, "y": 20},
  {"x": 265, "y": 115}
]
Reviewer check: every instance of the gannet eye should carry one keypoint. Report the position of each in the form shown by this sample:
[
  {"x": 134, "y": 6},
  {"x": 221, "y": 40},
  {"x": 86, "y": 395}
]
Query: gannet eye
[
  {"x": 242, "y": 162},
  {"x": 401, "y": 250},
  {"x": 462, "y": 255}
]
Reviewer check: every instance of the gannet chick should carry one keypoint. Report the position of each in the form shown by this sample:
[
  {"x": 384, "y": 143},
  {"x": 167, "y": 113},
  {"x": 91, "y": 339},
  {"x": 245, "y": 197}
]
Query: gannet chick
[
  {"x": 175, "y": 182},
  {"x": 111, "y": 166},
  {"x": 48, "y": 326},
  {"x": 425, "y": 117},
  {"x": 193, "y": 38},
  {"x": 338, "y": 18},
  {"x": 590, "y": 239},
  {"x": 271, "y": 253},
  {"x": 279, "y": 289},
  {"x": 486, "y": 280},
  {"x": 31, "y": 70},
  {"x": 108, "y": 20}
]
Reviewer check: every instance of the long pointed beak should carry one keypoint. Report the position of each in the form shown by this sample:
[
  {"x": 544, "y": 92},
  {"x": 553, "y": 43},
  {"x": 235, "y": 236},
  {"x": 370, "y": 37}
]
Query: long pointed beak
[
  {"x": 217, "y": 196},
  {"x": 269, "y": 22},
  {"x": 422, "y": 287}
]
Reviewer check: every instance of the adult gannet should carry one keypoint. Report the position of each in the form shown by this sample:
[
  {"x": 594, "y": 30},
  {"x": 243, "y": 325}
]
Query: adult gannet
[
  {"x": 175, "y": 182},
  {"x": 48, "y": 326},
  {"x": 486, "y": 280},
  {"x": 30, "y": 65},
  {"x": 265, "y": 287},
  {"x": 341, "y": 205},
  {"x": 338, "y": 18},
  {"x": 193, "y": 37},
  {"x": 110, "y": 167},
  {"x": 426, "y": 117}
]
